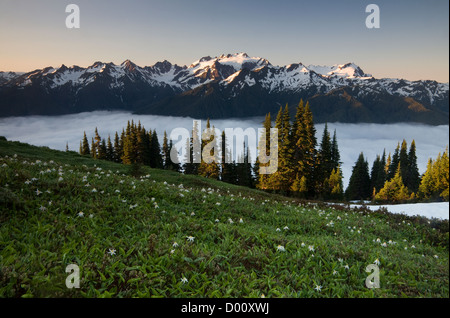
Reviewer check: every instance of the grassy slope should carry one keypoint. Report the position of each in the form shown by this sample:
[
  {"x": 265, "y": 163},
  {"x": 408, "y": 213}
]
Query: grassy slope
[{"x": 141, "y": 218}]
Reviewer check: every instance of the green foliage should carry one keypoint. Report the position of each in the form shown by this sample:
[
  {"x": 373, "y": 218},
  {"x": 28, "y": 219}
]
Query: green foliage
[
  {"x": 435, "y": 181},
  {"x": 394, "y": 190},
  {"x": 124, "y": 239},
  {"x": 359, "y": 184}
]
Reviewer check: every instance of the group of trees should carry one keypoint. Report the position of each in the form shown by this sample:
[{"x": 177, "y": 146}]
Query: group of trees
[
  {"x": 219, "y": 164},
  {"x": 303, "y": 170},
  {"x": 135, "y": 145},
  {"x": 434, "y": 184},
  {"x": 397, "y": 178}
]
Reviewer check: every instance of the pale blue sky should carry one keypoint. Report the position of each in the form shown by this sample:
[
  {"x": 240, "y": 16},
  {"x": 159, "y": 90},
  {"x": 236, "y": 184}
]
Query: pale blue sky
[{"x": 412, "y": 43}]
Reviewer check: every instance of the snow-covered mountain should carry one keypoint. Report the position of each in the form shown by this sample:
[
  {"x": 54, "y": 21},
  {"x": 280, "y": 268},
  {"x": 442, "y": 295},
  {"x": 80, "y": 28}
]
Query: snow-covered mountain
[{"x": 224, "y": 86}]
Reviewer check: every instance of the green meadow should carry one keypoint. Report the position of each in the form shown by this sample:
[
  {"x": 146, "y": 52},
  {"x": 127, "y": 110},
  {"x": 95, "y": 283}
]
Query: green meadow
[{"x": 141, "y": 232}]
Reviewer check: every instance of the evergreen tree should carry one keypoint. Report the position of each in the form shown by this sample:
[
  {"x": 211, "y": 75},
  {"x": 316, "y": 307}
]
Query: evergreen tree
[
  {"x": 394, "y": 190},
  {"x": 324, "y": 164},
  {"x": 93, "y": 148},
  {"x": 209, "y": 166},
  {"x": 188, "y": 165},
  {"x": 435, "y": 181},
  {"x": 129, "y": 145},
  {"x": 155, "y": 159},
  {"x": 335, "y": 154},
  {"x": 282, "y": 179},
  {"x": 335, "y": 187},
  {"x": 226, "y": 165},
  {"x": 193, "y": 152},
  {"x": 102, "y": 150},
  {"x": 359, "y": 184},
  {"x": 96, "y": 144},
  {"x": 427, "y": 184},
  {"x": 263, "y": 179},
  {"x": 109, "y": 150},
  {"x": 394, "y": 163},
  {"x": 166, "y": 152},
  {"x": 304, "y": 144},
  {"x": 377, "y": 174},
  {"x": 387, "y": 165},
  {"x": 403, "y": 159},
  {"x": 174, "y": 166},
  {"x": 412, "y": 178},
  {"x": 118, "y": 149},
  {"x": 85, "y": 146}
]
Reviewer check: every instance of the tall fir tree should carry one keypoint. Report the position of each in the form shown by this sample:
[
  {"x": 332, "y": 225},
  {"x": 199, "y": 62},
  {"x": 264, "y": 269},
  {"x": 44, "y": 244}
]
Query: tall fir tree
[
  {"x": 85, "y": 150},
  {"x": 118, "y": 149},
  {"x": 335, "y": 153},
  {"x": 282, "y": 179},
  {"x": 359, "y": 184},
  {"x": 102, "y": 150},
  {"x": 109, "y": 150},
  {"x": 394, "y": 190},
  {"x": 304, "y": 144},
  {"x": 166, "y": 152},
  {"x": 93, "y": 149},
  {"x": 394, "y": 163},
  {"x": 403, "y": 159},
  {"x": 226, "y": 161},
  {"x": 263, "y": 179},
  {"x": 324, "y": 163},
  {"x": 334, "y": 185},
  {"x": 209, "y": 166},
  {"x": 412, "y": 178},
  {"x": 155, "y": 159}
]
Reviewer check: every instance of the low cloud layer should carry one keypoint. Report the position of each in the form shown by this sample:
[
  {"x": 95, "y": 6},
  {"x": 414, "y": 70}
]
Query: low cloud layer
[{"x": 371, "y": 139}]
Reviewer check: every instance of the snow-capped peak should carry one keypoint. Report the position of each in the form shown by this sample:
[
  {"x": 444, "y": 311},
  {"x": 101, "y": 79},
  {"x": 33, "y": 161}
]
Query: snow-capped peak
[{"x": 348, "y": 70}]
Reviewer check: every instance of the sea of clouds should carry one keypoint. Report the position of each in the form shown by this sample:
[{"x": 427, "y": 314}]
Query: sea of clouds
[{"x": 371, "y": 139}]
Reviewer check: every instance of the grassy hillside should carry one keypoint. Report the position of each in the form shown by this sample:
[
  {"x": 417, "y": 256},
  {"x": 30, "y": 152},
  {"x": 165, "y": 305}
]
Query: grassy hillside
[{"x": 162, "y": 234}]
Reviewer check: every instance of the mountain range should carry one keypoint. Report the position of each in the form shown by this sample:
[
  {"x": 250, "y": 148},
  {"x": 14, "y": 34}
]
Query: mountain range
[{"x": 232, "y": 85}]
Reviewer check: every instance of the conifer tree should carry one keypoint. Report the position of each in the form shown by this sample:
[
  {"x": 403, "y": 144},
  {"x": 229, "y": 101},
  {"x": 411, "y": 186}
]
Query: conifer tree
[
  {"x": 166, "y": 152},
  {"x": 335, "y": 190},
  {"x": 394, "y": 163},
  {"x": 304, "y": 144},
  {"x": 209, "y": 166},
  {"x": 324, "y": 163},
  {"x": 155, "y": 159},
  {"x": 174, "y": 166},
  {"x": 102, "y": 150},
  {"x": 359, "y": 184},
  {"x": 109, "y": 150},
  {"x": 403, "y": 159},
  {"x": 188, "y": 165},
  {"x": 226, "y": 165},
  {"x": 246, "y": 177},
  {"x": 263, "y": 179},
  {"x": 96, "y": 143},
  {"x": 85, "y": 146},
  {"x": 282, "y": 179},
  {"x": 93, "y": 148},
  {"x": 394, "y": 190},
  {"x": 412, "y": 178},
  {"x": 118, "y": 149},
  {"x": 335, "y": 154}
]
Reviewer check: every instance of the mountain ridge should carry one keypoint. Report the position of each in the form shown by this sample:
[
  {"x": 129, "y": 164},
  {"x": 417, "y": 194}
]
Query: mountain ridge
[{"x": 221, "y": 87}]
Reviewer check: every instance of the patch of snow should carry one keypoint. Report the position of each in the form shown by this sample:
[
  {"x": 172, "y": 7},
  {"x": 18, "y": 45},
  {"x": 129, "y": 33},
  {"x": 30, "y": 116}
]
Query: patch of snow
[{"x": 439, "y": 210}]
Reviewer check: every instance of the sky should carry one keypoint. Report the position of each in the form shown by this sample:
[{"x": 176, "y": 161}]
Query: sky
[
  {"x": 411, "y": 43},
  {"x": 371, "y": 139}
]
